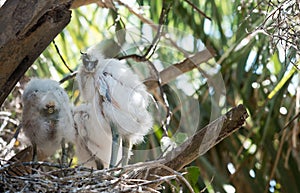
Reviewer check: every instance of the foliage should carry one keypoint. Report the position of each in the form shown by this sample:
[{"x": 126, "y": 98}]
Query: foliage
[{"x": 256, "y": 46}]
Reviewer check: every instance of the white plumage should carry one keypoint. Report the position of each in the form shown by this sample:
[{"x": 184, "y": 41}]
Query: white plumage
[
  {"x": 116, "y": 94},
  {"x": 47, "y": 117},
  {"x": 92, "y": 140}
]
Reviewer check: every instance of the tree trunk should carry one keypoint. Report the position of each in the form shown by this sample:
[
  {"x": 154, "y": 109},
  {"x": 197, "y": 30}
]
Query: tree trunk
[{"x": 27, "y": 28}]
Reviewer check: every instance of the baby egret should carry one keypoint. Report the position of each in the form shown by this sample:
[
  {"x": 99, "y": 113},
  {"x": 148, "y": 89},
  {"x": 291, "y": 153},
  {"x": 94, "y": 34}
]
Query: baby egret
[
  {"x": 115, "y": 93},
  {"x": 47, "y": 118}
]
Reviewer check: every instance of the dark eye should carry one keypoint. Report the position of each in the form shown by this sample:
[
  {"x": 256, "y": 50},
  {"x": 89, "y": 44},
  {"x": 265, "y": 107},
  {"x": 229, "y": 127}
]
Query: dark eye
[
  {"x": 85, "y": 60},
  {"x": 84, "y": 56},
  {"x": 33, "y": 94}
]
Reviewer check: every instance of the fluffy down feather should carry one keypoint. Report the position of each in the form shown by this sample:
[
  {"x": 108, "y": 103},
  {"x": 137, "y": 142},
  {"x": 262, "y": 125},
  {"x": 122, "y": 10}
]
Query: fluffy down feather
[
  {"x": 47, "y": 117},
  {"x": 93, "y": 140}
]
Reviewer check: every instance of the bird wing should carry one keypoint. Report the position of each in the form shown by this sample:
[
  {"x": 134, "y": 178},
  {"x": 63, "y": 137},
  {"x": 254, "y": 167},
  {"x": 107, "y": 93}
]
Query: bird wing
[
  {"x": 122, "y": 100},
  {"x": 105, "y": 86}
]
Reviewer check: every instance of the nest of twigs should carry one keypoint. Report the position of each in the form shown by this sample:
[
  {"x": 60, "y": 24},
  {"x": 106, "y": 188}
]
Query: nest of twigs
[{"x": 50, "y": 177}]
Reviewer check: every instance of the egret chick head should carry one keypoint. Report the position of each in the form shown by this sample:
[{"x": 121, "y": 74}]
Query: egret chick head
[
  {"x": 37, "y": 88},
  {"x": 91, "y": 58},
  {"x": 89, "y": 62}
]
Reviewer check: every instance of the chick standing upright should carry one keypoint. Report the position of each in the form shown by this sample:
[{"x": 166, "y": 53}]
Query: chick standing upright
[{"x": 117, "y": 94}]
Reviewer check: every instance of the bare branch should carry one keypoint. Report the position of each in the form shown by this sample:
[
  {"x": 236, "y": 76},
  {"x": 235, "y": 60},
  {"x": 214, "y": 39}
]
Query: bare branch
[
  {"x": 177, "y": 69},
  {"x": 197, "y": 9},
  {"x": 68, "y": 77},
  {"x": 61, "y": 57},
  {"x": 135, "y": 12}
]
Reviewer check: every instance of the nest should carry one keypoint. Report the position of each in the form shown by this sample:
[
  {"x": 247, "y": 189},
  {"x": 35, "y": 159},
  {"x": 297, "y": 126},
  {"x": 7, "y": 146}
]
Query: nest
[{"x": 51, "y": 177}]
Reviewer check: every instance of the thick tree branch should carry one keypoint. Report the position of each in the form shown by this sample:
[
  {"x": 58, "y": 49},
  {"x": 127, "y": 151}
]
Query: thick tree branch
[
  {"x": 27, "y": 28},
  {"x": 195, "y": 146},
  {"x": 101, "y": 3},
  {"x": 206, "y": 138}
]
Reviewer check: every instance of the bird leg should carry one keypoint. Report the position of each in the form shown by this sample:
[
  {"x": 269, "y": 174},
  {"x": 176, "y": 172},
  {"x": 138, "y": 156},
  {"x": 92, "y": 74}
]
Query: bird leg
[
  {"x": 115, "y": 145},
  {"x": 34, "y": 157},
  {"x": 34, "y": 153},
  {"x": 126, "y": 148},
  {"x": 64, "y": 157}
]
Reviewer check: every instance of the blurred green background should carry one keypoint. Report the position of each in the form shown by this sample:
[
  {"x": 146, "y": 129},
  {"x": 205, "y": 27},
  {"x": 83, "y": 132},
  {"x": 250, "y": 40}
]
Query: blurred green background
[{"x": 256, "y": 46}]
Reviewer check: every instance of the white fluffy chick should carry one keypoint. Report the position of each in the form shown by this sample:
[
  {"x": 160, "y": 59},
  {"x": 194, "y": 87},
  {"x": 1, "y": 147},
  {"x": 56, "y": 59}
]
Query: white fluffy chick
[
  {"x": 117, "y": 94},
  {"x": 93, "y": 141},
  {"x": 47, "y": 117}
]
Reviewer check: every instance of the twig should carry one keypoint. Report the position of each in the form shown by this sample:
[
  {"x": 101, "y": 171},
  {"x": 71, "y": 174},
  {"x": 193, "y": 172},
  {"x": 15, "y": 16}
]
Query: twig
[
  {"x": 170, "y": 73},
  {"x": 279, "y": 151},
  {"x": 151, "y": 24},
  {"x": 205, "y": 188},
  {"x": 151, "y": 49},
  {"x": 135, "y": 12},
  {"x": 16, "y": 164},
  {"x": 62, "y": 59},
  {"x": 291, "y": 121},
  {"x": 11, "y": 143},
  {"x": 197, "y": 9},
  {"x": 85, "y": 179},
  {"x": 68, "y": 77}
]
